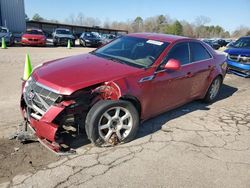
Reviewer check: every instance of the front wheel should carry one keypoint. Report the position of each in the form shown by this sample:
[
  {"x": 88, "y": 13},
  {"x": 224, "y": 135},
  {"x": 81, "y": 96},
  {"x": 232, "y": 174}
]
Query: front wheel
[
  {"x": 111, "y": 122},
  {"x": 213, "y": 90}
]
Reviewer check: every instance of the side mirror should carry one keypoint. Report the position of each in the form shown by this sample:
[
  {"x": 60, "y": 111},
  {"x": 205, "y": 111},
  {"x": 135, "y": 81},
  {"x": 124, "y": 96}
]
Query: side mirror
[{"x": 173, "y": 64}]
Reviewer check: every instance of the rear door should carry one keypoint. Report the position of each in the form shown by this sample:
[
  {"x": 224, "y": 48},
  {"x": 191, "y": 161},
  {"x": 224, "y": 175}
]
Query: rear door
[{"x": 199, "y": 69}]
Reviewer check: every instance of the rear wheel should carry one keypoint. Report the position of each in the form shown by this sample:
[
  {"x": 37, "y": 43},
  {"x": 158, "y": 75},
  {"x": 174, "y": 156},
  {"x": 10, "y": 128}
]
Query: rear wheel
[
  {"x": 213, "y": 90},
  {"x": 111, "y": 122}
]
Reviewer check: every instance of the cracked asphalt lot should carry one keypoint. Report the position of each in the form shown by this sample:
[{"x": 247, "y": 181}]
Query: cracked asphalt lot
[{"x": 197, "y": 145}]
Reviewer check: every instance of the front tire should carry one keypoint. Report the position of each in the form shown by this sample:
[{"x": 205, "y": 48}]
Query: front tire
[
  {"x": 213, "y": 90},
  {"x": 83, "y": 43},
  {"x": 111, "y": 122}
]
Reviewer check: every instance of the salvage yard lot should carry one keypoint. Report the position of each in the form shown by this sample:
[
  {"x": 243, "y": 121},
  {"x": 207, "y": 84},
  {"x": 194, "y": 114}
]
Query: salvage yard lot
[{"x": 197, "y": 145}]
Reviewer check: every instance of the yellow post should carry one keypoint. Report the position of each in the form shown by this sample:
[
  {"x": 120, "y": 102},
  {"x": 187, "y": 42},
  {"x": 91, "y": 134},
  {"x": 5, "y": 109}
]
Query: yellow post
[
  {"x": 69, "y": 44},
  {"x": 3, "y": 43},
  {"x": 27, "y": 68}
]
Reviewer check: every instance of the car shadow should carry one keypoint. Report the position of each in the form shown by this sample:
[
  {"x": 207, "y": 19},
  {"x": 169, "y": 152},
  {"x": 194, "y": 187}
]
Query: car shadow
[{"x": 154, "y": 124}]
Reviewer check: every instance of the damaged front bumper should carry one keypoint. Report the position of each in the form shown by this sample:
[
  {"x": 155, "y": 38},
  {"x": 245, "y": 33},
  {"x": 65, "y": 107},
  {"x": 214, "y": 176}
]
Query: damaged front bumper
[{"x": 48, "y": 117}]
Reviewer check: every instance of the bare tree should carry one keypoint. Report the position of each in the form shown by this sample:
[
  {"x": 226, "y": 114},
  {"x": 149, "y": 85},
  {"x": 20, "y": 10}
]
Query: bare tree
[
  {"x": 160, "y": 24},
  {"x": 241, "y": 31},
  {"x": 202, "y": 20},
  {"x": 80, "y": 19}
]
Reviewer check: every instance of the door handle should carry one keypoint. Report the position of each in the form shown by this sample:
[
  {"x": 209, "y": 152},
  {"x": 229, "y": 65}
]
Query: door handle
[{"x": 189, "y": 75}]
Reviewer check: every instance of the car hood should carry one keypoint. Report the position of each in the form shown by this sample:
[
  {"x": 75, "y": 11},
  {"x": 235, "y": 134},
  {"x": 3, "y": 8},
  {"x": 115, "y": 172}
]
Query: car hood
[
  {"x": 64, "y": 36},
  {"x": 70, "y": 74},
  {"x": 237, "y": 51},
  {"x": 33, "y": 36}
]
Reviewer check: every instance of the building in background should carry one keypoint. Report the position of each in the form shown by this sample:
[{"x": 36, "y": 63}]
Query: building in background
[{"x": 12, "y": 15}]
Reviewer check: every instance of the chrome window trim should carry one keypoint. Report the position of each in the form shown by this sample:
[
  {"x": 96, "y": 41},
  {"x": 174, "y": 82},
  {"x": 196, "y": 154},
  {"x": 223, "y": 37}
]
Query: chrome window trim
[{"x": 189, "y": 50}]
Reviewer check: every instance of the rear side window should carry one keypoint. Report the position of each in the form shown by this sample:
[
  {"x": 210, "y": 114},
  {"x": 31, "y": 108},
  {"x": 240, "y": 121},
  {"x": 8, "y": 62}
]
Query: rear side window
[
  {"x": 198, "y": 52},
  {"x": 180, "y": 52}
]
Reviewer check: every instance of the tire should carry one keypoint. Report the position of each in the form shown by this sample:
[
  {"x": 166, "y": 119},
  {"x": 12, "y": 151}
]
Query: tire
[
  {"x": 55, "y": 44},
  {"x": 213, "y": 90},
  {"x": 83, "y": 43},
  {"x": 121, "y": 127}
]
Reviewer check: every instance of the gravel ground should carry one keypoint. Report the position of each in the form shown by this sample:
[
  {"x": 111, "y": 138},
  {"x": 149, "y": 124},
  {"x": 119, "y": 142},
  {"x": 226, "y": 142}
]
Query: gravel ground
[{"x": 196, "y": 145}]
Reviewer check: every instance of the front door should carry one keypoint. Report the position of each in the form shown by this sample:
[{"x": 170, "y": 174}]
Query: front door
[{"x": 168, "y": 89}]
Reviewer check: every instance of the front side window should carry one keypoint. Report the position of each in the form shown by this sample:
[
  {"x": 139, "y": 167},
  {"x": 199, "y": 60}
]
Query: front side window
[
  {"x": 90, "y": 35},
  {"x": 138, "y": 52},
  {"x": 179, "y": 52},
  {"x": 198, "y": 52}
]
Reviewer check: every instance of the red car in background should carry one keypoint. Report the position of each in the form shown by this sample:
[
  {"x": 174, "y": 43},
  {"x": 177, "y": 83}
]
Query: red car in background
[
  {"x": 110, "y": 90},
  {"x": 33, "y": 37}
]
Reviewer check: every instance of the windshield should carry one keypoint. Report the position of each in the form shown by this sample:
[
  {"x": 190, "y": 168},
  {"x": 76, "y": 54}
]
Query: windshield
[
  {"x": 138, "y": 52},
  {"x": 34, "y": 32},
  {"x": 63, "y": 32},
  {"x": 242, "y": 43},
  {"x": 90, "y": 35}
]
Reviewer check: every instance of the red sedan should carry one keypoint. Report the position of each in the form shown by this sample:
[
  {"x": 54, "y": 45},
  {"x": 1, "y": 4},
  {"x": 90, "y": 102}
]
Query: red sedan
[
  {"x": 109, "y": 91},
  {"x": 33, "y": 37}
]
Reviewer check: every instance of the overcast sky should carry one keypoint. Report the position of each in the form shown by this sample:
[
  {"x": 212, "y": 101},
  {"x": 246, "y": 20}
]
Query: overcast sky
[{"x": 229, "y": 14}]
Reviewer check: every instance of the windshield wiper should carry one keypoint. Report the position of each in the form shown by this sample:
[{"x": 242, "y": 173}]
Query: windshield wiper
[
  {"x": 115, "y": 60},
  {"x": 108, "y": 57}
]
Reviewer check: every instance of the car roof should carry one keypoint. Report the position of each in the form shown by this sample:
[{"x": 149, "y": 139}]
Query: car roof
[
  {"x": 158, "y": 36},
  {"x": 34, "y": 29},
  {"x": 245, "y": 37}
]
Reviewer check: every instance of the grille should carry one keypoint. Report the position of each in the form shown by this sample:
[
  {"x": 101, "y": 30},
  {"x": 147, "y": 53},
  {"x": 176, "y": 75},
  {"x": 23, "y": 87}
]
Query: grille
[
  {"x": 239, "y": 58},
  {"x": 64, "y": 39},
  {"x": 38, "y": 97}
]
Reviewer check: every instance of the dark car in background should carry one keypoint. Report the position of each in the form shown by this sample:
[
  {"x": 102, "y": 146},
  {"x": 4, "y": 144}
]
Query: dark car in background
[
  {"x": 238, "y": 57},
  {"x": 61, "y": 36},
  {"x": 221, "y": 42},
  {"x": 90, "y": 39},
  {"x": 212, "y": 43},
  {"x": 7, "y": 35},
  {"x": 33, "y": 37}
]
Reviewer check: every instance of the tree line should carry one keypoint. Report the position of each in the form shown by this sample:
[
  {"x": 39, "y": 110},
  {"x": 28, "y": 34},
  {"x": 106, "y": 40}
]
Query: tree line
[{"x": 158, "y": 24}]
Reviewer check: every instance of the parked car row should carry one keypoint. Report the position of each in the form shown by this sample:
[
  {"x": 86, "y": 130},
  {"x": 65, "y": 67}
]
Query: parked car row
[{"x": 61, "y": 36}]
